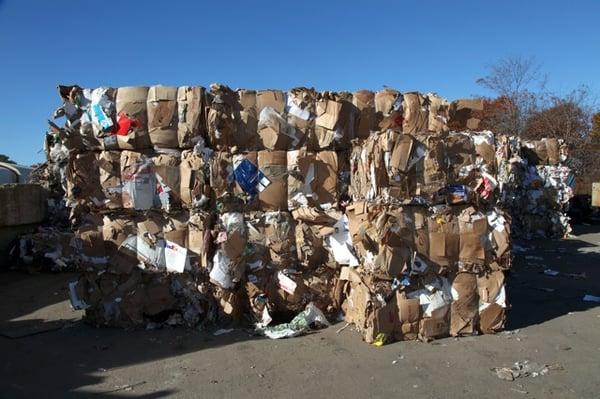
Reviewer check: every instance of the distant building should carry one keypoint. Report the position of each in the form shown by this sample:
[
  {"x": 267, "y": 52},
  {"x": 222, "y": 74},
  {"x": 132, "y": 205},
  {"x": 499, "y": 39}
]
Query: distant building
[{"x": 11, "y": 173}]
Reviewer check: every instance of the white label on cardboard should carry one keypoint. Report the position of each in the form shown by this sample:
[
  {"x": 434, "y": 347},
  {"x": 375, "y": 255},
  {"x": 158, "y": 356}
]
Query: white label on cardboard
[
  {"x": 176, "y": 257},
  {"x": 286, "y": 283}
]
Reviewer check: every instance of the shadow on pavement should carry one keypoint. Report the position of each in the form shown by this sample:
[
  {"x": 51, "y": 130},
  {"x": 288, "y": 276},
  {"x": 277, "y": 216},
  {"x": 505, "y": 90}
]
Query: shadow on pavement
[
  {"x": 72, "y": 359},
  {"x": 536, "y": 297}
]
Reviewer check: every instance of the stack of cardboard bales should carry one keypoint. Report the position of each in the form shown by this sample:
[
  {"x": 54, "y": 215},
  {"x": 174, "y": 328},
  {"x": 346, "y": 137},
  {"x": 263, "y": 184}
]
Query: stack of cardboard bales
[
  {"x": 431, "y": 244},
  {"x": 535, "y": 185},
  {"x": 195, "y": 205}
]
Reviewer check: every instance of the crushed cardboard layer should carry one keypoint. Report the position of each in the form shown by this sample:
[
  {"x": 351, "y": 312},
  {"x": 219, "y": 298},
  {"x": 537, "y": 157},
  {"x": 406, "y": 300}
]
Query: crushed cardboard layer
[{"x": 194, "y": 206}]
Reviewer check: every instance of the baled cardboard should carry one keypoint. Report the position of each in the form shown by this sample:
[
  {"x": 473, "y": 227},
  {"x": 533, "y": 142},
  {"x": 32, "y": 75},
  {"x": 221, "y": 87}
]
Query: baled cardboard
[
  {"x": 193, "y": 173},
  {"x": 109, "y": 169},
  {"x": 274, "y": 166},
  {"x": 385, "y": 101},
  {"x": 162, "y": 116},
  {"x": 139, "y": 181},
  {"x": 439, "y": 109},
  {"x": 464, "y": 114},
  {"x": 191, "y": 118},
  {"x": 221, "y": 122},
  {"x": 270, "y": 98},
  {"x": 301, "y": 111},
  {"x": 416, "y": 113},
  {"x": 246, "y": 136},
  {"x": 166, "y": 167},
  {"x": 364, "y": 101},
  {"x": 221, "y": 173},
  {"x": 325, "y": 185},
  {"x": 131, "y": 107},
  {"x": 83, "y": 180}
]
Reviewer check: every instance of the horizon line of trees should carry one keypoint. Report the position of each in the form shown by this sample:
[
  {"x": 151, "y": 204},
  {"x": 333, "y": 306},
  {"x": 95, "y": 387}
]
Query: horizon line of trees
[{"x": 523, "y": 106}]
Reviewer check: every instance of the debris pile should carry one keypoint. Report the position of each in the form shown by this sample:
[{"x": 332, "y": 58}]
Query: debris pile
[{"x": 192, "y": 206}]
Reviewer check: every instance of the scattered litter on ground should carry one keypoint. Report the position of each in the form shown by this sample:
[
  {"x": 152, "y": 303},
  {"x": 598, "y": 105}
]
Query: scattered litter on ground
[{"x": 524, "y": 368}]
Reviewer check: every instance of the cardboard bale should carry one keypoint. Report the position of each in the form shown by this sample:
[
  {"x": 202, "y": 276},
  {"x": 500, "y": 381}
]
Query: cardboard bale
[
  {"x": 300, "y": 114},
  {"x": 166, "y": 167},
  {"x": 273, "y": 164},
  {"x": 109, "y": 164},
  {"x": 132, "y": 119},
  {"x": 274, "y": 132},
  {"x": 274, "y": 99},
  {"x": 368, "y": 173},
  {"x": 83, "y": 180},
  {"x": 246, "y": 137},
  {"x": 191, "y": 118},
  {"x": 221, "y": 174},
  {"x": 249, "y": 180},
  {"x": 139, "y": 180},
  {"x": 439, "y": 109},
  {"x": 336, "y": 122},
  {"x": 221, "y": 122},
  {"x": 194, "y": 171},
  {"x": 387, "y": 101},
  {"x": 162, "y": 116},
  {"x": 464, "y": 114},
  {"x": 364, "y": 101},
  {"x": 312, "y": 178},
  {"x": 416, "y": 113}
]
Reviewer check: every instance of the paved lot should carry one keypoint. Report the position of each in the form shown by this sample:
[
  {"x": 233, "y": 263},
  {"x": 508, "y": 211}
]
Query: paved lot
[{"x": 48, "y": 353}]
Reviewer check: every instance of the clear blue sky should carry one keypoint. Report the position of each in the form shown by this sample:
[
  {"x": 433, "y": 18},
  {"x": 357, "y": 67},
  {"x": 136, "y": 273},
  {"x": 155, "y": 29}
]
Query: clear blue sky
[{"x": 440, "y": 46}]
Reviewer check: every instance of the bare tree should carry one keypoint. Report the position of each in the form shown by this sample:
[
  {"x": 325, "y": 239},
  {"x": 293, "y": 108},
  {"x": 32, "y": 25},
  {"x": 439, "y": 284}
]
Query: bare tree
[
  {"x": 567, "y": 117},
  {"x": 516, "y": 80}
]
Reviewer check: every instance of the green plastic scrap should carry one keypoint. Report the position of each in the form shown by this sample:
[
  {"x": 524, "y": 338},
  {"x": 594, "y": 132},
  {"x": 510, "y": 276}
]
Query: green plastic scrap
[{"x": 299, "y": 325}]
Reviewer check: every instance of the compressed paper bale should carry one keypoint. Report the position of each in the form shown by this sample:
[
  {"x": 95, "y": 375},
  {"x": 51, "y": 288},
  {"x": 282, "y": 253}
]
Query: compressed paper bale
[
  {"x": 83, "y": 180},
  {"x": 194, "y": 179},
  {"x": 132, "y": 118},
  {"x": 109, "y": 164},
  {"x": 191, "y": 118},
  {"x": 221, "y": 119},
  {"x": 162, "y": 116},
  {"x": 364, "y": 101},
  {"x": 416, "y": 113},
  {"x": 246, "y": 135},
  {"x": 274, "y": 166}
]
